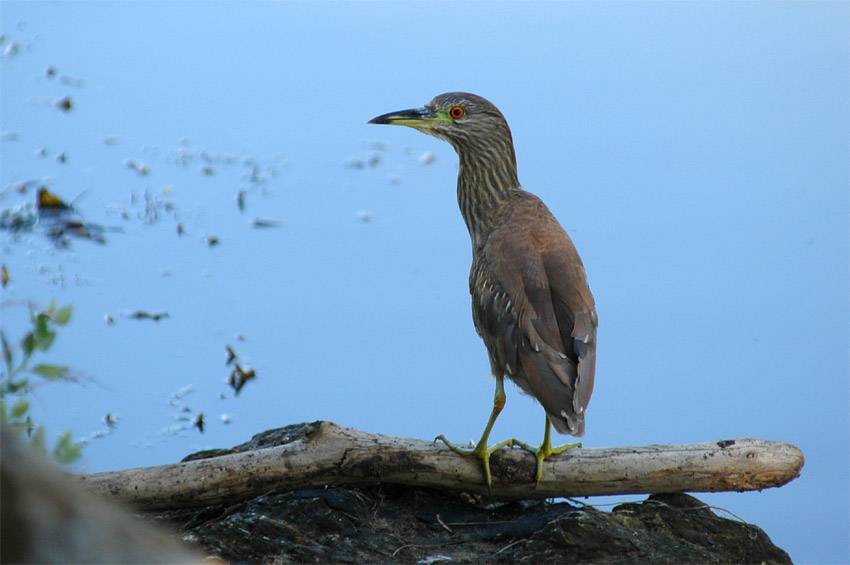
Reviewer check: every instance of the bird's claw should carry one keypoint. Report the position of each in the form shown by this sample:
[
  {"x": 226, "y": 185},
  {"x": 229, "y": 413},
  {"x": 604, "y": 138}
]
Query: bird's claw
[
  {"x": 480, "y": 450},
  {"x": 541, "y": 453}
]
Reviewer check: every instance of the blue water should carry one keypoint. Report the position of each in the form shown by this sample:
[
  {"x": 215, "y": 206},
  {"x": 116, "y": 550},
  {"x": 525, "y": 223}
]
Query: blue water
[{"x": 696, "y": 153}]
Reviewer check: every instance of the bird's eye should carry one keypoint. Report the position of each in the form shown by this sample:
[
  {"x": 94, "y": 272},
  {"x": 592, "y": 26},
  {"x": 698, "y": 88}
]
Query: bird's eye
[{"x": 456, "y": 112}]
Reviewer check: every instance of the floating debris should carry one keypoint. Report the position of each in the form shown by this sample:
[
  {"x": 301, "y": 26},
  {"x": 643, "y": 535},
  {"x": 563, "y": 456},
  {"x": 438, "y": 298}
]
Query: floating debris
[
  {"x": 257, "y": 175},
  {"x": 53, "y": 215},
  {"x": 213, "y": 240},
  {"x": 49, "y": 201},
  {"x": 111, "y": 140},
  {"x": 143, "y": 315},
  {"x": 364, "y": 216},
  {"x": 360, "y": 163},
  {"x": 260, "y": 223},
  {"x": 72, "y": 81},
  {"x": 153, "y": 206},
  {"x": 239, "y": 376},
  {"x": 111, "y": 420},
  {"x": 427, "y": 158},
  {"x": 356, "y": 163},
  {"x": 199, "y": 422},
  {"x": 65, "y": 104},
  {"x": 12, "y": 49},
  {"x": 60, "y": 220},
  {"x": 24, "y": 187},
  {"x": 20, "y": 219},
  {"x": 4, "y": 276},
  {"x": 140, "y": 168},
  {"x": 183, "y": 392},
  {"x": 77, "y": 229}
]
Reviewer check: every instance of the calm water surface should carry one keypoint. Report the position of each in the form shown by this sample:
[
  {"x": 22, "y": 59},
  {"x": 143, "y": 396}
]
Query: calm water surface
[{"x": 697, "y": 155}]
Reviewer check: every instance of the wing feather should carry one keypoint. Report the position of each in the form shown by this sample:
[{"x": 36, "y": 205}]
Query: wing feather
[{"x": 534, "y": 310}]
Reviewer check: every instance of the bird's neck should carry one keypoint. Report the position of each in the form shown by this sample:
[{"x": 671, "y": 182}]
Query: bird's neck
[{"x": 485, "y": 183}]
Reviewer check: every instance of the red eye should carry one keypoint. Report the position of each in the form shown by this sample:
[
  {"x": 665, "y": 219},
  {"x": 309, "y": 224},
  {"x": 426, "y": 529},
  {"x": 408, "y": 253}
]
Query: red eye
[{"x": 457, "y": 112}]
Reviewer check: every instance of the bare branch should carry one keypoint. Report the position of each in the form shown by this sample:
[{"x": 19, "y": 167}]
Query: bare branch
[{"x": 327, "y": 454}]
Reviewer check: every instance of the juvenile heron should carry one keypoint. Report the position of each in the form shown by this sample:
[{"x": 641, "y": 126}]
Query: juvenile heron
[{"x": 531, "y": 303}]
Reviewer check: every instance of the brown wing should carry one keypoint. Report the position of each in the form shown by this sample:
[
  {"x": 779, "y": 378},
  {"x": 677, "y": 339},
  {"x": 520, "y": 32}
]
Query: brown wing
[{"x": 534, "y": 310}]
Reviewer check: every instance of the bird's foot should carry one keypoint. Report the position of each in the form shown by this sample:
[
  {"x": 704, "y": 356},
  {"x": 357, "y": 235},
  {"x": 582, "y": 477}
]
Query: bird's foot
[
  {"x": 542, "y": 452},
  {"x": 481, "y": 451}
]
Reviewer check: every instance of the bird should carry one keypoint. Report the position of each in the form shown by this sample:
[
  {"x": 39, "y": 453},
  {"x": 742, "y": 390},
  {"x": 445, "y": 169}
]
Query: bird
[{"x": 531, "y": 302}]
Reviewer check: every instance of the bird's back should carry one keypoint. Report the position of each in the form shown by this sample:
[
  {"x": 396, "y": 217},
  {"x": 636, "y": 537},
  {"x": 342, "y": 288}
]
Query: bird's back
[{"x": 533, "y": 308}]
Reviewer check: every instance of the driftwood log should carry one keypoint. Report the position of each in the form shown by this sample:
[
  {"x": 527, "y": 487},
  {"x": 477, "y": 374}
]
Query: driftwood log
[{"x": 326, "y": 454}]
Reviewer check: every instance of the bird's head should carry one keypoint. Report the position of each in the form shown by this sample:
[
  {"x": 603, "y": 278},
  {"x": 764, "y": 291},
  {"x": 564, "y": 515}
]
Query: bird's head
[{"x": 467, "y": 121}]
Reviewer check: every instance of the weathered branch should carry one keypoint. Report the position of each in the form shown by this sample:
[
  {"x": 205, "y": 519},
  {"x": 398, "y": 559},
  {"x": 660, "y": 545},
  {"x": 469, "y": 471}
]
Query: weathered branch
[{"x": 328, "y": 454}]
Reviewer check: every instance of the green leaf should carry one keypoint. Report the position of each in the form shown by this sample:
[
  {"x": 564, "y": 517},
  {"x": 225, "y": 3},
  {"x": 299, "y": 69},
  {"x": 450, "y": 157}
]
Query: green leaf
[
  {"x": 43, "y": 336},
  {"x": 12, "y": 387},
  {"x": 50, "y": 372},
  {"x": 20, "y": 408},
  {"x": 7, "y": 352},
  {"x": 62, "y": 316},
  {"x": 28, "y": 344},
  {"x": 67, "y": 450}
]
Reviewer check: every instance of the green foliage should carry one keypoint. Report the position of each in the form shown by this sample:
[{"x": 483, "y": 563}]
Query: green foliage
[
  {"x": 17, "y": 381},
  {"x": 66, "y": 449},
  {"x": 51, "y": 372}
]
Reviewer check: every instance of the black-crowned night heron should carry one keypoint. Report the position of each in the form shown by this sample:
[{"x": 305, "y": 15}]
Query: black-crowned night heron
[{"x": 531, "y": 303}]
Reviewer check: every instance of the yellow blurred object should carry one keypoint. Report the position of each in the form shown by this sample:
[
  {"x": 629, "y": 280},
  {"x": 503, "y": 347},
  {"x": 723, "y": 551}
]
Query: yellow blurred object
[{"x": 48, "y": 201}]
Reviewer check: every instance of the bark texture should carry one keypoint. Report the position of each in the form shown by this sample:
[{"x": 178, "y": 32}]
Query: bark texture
[{"x": 325, "y": 454}]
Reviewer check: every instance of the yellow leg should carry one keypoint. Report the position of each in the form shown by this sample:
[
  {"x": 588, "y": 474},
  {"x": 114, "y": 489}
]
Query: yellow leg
[
  {"x": 481, "y": 450},
  {"x": 545, "y": 449}
]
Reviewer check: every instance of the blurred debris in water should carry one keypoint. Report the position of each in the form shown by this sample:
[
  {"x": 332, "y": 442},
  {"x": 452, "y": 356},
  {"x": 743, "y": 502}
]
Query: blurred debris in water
[
  {"x": 65, "y": 104},
  {"x": 56, "y": 218},
  {"x": 199, "y": 422},
  {"x": 186, "y": 416},
  {"x": 143, "y": 315},
  {"x": 260, "y": 223},
  {"x": 240, "y": 375},
  {"x": 48, "y": 201},
  {"x": 140, "y": 168},
  {"x": 18, "y": 219}
]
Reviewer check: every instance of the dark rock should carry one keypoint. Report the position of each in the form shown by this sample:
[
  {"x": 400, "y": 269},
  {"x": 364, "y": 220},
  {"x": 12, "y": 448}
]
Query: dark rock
[
  {"x": 395, "y": 524},
  {"x": 47, "y": 518},
  {"x": 398, "y": 524}
]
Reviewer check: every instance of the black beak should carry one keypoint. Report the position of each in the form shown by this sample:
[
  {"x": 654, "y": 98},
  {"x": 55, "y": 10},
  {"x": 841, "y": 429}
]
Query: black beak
[{"x": 413, "y": 117}]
